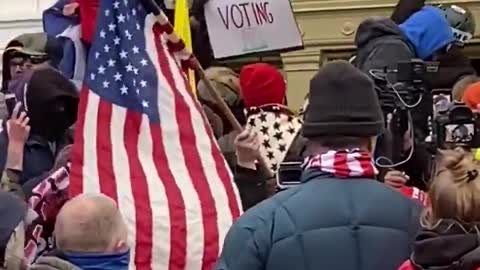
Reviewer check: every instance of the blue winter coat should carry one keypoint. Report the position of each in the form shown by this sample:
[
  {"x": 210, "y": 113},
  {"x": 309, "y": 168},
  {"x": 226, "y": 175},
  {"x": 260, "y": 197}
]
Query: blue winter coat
[{"x": 324, "y": 224}]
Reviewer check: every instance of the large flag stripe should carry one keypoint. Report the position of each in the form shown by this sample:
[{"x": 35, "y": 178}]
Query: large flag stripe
[
  {"x": 106, "y": 176},
  {"x": 122, "y": 174},
  {"x": 173, "y": 152},
  {"x": 176, "y": 205},
  {"x": 204, "y": 146},
  {"x": 195, "y": 169},
  {"x": 160, "y": 213},
  {"x": 90, "y": 170},
  {"x": 220, "y": 165},
  {"x": 177, "y": 50},
  {"x": 77, "y": 157},
  {"x": 143, "y": 211}
]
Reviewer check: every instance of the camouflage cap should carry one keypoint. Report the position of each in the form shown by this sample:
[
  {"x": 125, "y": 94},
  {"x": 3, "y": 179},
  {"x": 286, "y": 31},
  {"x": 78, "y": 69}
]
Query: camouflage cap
[{"x": 32, "y": 44}]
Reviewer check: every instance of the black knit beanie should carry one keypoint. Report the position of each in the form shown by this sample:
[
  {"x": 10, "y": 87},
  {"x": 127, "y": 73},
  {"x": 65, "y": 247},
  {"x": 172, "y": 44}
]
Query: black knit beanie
[{"x": 342, "y": 102}]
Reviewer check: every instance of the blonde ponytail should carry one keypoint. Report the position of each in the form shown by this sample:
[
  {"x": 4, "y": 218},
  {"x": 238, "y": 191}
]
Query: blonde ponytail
[{"x": 455, "y": 190}]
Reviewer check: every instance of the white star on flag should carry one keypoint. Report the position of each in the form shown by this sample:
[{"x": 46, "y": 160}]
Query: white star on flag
[
  {"x": 124, "y": 90},
  {"x": 118, "y": 76},
  {"x": 111, "y": 62},
  {"x": 111, "y": 27},
  {"x": 121, "y": 18},
  {"x": 123, "y": 54}
]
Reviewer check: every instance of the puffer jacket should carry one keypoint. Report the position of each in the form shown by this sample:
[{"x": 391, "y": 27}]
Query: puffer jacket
[{"x": 324, "y": 223}]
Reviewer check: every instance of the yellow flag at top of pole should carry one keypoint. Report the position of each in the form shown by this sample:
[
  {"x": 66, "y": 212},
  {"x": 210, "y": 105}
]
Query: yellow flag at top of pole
[{"x": 182, "y": 28}]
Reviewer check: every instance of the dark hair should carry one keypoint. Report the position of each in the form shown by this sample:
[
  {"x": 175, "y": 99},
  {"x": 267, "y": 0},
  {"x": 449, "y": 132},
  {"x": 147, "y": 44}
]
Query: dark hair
[{"x": 338, "y": 142}]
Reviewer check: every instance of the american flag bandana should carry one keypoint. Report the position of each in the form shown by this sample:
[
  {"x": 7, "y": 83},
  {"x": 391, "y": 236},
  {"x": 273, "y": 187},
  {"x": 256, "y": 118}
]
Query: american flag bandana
[{"x": 343, "y": 164}]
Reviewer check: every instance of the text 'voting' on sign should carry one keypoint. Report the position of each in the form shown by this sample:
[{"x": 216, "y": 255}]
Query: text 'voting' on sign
[{"x": 243, "y": 27}]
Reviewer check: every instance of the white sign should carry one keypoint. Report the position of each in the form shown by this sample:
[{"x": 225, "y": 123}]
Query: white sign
[{"x": 238, "y": 27}]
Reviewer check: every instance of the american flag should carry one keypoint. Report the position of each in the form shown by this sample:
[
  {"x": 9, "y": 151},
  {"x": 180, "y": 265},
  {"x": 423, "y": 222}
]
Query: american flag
[{"x": 142, "y": 140}]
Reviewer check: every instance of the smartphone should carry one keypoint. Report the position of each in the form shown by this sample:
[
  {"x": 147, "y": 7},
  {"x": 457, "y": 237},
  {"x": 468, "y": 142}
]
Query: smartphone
[
  {"x": 289, "y": 174},
  {"x": 10, "y": 101}
]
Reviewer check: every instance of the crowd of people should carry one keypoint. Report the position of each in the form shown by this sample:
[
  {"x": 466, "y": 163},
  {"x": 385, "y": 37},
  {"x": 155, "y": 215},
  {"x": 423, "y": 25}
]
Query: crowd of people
[{"x": 345, "y": 209}]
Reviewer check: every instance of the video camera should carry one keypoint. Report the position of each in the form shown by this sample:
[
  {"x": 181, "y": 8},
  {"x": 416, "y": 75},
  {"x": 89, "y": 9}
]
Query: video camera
[
  {"x": 401, "y": 90},
  {"x": 414, "y": 71},
  {"x": 404, "y": 84},
  {"x": 453, "y": 123}
]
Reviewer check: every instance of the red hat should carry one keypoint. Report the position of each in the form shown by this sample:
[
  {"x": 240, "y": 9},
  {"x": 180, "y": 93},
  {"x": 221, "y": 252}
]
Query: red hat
[
  {"x": 471, "y": 97},
  {"x": 262, "y": 84}
]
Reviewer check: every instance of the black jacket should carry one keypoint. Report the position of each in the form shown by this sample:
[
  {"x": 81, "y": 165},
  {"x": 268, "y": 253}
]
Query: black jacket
[
  {"x": 251, "y": 185},
  {"x": 448, "y": 246},
  {"x": 382, "y": 45}
]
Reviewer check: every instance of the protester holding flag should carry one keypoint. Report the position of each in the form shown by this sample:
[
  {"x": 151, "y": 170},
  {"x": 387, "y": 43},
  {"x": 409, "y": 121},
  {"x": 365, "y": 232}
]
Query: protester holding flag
[{"x": 142, "y": 140}]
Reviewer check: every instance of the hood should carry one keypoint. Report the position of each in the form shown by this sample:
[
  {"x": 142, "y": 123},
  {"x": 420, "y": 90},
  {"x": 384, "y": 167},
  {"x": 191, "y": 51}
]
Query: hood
[
  {"x": 428, "y": 31},
  {"x": 50, "y": 100},
  {"x": 447, "y": 246},
  {"x": 375, "y": 27}
]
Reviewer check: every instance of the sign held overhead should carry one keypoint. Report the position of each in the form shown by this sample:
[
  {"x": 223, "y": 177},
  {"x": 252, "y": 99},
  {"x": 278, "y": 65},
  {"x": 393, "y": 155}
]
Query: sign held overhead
[{"x": 238, "y": 27}]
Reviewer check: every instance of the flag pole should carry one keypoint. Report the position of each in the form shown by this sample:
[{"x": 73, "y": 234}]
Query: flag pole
[{"x": 195, "y": 64}]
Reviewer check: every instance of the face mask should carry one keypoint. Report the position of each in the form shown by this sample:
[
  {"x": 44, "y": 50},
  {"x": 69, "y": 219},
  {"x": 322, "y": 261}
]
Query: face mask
[{"x": 117, "y": 261}]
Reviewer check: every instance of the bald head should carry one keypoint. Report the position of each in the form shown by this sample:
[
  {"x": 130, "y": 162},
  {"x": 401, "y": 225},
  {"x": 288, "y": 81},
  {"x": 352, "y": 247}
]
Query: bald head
[{"x": 91, "y": 223}]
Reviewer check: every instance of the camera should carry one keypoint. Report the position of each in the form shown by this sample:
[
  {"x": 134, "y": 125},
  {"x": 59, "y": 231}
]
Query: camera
[
  {"x": 414, "y": 71},
  {"x": 453, "y": 123}
]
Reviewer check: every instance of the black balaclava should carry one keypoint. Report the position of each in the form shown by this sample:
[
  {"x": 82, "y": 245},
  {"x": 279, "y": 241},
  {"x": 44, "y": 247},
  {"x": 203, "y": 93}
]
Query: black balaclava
[{"x": 50, "y": 100}]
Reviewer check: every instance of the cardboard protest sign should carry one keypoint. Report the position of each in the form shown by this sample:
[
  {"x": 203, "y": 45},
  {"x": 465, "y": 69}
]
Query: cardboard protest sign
[{"x": 238, "y": 27}]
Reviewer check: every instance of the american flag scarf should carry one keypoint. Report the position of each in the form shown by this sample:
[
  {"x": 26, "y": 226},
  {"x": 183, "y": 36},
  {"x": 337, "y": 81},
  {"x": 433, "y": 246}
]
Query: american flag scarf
[
  {"x": 343, "y": 164},
  {"x": 356, "y": 164}
]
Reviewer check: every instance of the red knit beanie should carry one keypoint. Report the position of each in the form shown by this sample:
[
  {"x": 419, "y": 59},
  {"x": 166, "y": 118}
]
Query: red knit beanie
[
  {"x": 471, "y": 97},
  {"x": 262, "y": 84}
]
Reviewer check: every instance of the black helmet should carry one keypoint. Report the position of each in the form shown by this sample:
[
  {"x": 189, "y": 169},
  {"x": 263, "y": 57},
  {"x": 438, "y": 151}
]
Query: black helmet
[{"x": 461, "y": 20}]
